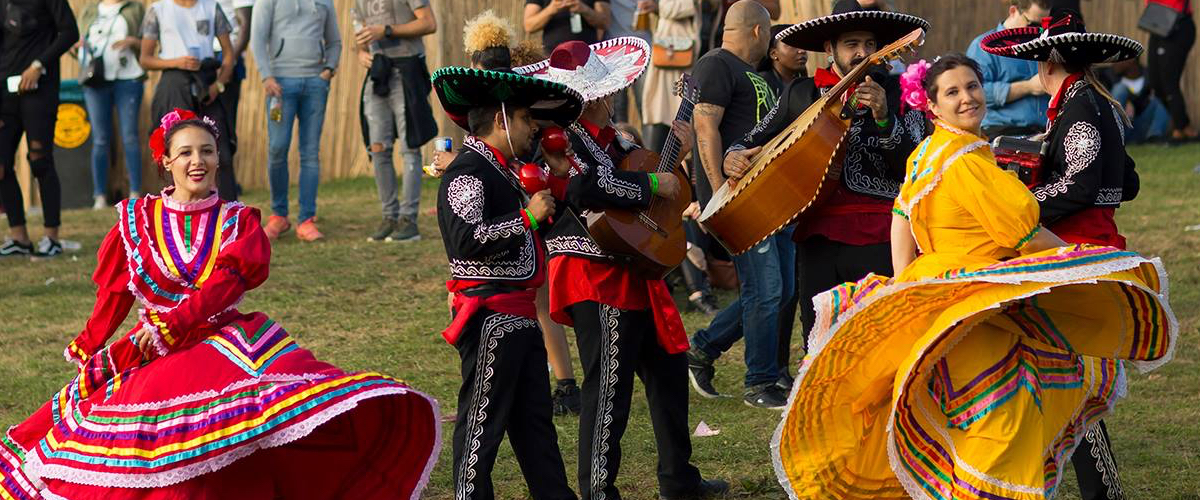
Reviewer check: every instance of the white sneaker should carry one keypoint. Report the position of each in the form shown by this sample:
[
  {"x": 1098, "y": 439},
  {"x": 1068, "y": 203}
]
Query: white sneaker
[
  {"x": 100, "y": 203},
  {"x": 48, "y": 247}
]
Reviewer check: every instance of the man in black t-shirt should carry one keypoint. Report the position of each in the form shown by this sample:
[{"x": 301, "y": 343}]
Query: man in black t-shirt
[
  {"x": 35, "y": 35},
  {"x": 733, "y": 99},
  {"x": 554, "y": 19}
]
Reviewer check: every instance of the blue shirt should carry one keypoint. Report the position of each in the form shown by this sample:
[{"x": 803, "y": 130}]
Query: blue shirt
[{"x": 998, "y": 74}]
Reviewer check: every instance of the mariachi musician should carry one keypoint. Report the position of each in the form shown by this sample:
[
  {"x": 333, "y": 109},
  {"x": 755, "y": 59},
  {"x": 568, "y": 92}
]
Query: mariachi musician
[
  {"x": 1085, "y": 171},
  {"x": 489, "y": 226},
  {"x": 847, "y": 237},
  {"x": 626, "y": 324}
]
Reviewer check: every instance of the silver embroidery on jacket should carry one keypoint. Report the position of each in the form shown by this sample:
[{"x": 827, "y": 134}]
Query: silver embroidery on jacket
[
  {"x": 1081, "y": 146},
  {"x": 465, "y": 194},
  {"x": 604, "y": 173}
]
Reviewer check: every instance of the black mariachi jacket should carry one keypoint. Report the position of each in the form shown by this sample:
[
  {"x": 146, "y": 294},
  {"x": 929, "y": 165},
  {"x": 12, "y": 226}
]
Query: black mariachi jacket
[
  {"x": 1085, "y": 163},
  {"x": 599, "y": 186},
  {"x": 480, "y": 214},
  {"x": 875, "y": 158}
]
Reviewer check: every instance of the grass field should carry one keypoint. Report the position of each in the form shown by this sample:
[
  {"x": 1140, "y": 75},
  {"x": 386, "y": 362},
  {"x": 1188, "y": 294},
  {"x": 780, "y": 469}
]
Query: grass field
[{"x": 379, "y": 306}]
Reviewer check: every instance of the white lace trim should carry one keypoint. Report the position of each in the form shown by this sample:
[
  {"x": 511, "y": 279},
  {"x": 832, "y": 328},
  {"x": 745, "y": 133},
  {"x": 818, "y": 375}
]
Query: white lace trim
[
  {"x": 35, "y": 467},
  {"x": 937, "y": 176},
  {"x": 1084, "y": 274},
  {"x": 209, "y": 394}
]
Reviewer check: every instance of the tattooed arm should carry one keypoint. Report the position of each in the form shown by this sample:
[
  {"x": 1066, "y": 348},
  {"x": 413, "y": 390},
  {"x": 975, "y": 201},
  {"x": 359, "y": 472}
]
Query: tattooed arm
[{"x": 707, "y": 122}]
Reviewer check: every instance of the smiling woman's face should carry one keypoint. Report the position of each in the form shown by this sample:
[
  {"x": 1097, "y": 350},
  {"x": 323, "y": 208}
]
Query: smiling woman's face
[
  {"x": 192, "y": 162},
  {"x": 959, "y": 101}
]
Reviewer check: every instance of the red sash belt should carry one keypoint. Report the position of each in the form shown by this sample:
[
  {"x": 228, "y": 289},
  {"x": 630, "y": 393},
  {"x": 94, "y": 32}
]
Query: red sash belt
[
  {"x": 1093, "y": 225},
  {"x": 667, "y": 323},
  {"x": 519, "y": 303}
]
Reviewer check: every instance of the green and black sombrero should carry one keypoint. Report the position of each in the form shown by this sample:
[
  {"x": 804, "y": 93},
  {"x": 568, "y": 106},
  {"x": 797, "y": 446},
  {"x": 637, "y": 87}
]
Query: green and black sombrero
[{"x": 462, "y": 89}]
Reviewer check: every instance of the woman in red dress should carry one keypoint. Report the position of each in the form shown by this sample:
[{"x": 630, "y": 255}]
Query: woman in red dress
[{"x": 200, "y": 400}]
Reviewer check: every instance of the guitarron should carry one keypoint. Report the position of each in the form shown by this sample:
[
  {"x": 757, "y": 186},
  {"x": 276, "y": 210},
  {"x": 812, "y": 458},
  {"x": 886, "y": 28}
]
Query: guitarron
[
  {"x": 797, "y": 169},
  {"x": 652, "y": 239}
]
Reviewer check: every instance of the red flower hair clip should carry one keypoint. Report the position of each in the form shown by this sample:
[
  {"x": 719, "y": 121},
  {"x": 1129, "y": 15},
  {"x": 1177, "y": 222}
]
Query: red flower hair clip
[{"x": 158, "y": 145}]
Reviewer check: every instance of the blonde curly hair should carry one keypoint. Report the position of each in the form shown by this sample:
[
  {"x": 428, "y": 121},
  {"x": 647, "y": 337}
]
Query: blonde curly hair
[{"x": 485, "y": 31}]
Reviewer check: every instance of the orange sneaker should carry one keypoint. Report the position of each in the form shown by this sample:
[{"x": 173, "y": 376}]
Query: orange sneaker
[
  {"x": 276, "y": 225},
  {"x": 307, "y": 230}
]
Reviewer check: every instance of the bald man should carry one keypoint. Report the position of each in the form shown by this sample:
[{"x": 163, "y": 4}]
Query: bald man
[{"x": 733, "y": 99}]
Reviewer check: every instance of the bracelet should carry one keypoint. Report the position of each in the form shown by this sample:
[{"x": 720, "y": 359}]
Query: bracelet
[
  {"x": 533, "y": 222},
  {"x": 653, "y": 184},
  {"x": 883, "y": 123}
]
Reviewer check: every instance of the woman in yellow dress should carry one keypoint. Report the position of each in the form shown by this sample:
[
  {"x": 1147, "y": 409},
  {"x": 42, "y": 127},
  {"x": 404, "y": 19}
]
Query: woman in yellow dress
[{"x": 974, "y": 371}]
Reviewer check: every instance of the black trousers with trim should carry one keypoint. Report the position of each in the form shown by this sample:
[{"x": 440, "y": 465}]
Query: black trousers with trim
[
  {"x": 505, "y": 389},
  {"x": 614, "y": 346},
  {"x": 822, "y": 263},
  {"x": 1095, "y": 466}
]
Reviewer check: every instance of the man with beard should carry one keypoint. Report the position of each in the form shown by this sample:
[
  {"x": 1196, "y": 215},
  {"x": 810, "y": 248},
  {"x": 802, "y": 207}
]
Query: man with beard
[
  {"x": 848, "y": 236},
  {"x": 490, "y": 230}
]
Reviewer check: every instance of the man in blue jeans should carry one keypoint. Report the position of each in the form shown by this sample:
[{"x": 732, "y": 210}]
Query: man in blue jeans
[
  {"x": 733, "y": 99},
  {"x": 296, "y": 48}
]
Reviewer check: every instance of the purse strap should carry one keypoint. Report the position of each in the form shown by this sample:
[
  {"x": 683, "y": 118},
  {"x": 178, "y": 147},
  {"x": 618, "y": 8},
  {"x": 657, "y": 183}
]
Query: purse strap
[{"x": 108, "y": 31}]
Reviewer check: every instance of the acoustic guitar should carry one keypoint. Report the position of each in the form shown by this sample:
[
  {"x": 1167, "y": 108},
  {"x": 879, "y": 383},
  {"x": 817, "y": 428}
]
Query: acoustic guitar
[
  {"x": 797, "y": 169},
  {"x": 652, "y": 239}
]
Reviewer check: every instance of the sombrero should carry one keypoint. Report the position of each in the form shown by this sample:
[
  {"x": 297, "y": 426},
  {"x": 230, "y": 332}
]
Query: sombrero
[
  {"x": 595, "y": 71},
  {"x": 849, "y": 16},
  {"x": 462, "y": 89},
  {"x": 1062, "y": 38}
]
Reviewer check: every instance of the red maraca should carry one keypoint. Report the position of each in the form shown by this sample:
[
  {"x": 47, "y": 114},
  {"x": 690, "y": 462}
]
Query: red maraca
[
  {"x": 554, "y": 140},
  {"x": 532, "y": 178}
]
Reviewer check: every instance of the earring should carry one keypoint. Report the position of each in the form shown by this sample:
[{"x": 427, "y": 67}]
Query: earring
[{"x": 829, "y": 58}]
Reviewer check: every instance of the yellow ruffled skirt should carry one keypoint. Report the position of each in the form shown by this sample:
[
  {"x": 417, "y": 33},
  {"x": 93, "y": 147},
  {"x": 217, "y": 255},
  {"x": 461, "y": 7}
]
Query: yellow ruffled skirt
[{"x": 968, "y": 378}]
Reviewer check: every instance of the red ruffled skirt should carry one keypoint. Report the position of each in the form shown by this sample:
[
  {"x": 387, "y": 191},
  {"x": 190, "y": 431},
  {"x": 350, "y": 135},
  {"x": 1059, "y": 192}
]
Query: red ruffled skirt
[{"x": 246, "y": 413}]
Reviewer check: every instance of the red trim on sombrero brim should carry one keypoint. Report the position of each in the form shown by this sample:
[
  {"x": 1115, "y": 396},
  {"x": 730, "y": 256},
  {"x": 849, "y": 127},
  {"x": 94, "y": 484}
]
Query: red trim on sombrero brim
[{"x": 1001, "y": 43}]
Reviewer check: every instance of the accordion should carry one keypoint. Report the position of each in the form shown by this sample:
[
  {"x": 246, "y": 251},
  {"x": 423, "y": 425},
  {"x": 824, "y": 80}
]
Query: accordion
[{"x": 1020, "y": 155}]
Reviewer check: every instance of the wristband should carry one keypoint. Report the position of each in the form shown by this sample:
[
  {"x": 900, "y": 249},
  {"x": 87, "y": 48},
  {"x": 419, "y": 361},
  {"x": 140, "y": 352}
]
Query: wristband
[
  {"x": 883, "y": 123},
  {"x": 653, "y": 184},
  {"x": 533, "y": 225}
]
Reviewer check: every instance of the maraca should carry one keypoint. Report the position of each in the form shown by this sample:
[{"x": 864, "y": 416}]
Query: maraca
[
  {"x": 532, "y": 178},
  {"x": 554, "y": 141}
]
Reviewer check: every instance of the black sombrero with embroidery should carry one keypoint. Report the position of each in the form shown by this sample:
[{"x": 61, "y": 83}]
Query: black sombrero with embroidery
[
  {"x": 1062, "y": 38},
  {"x": 462, "y": 89},
  {"x": 849, "y": 16}
]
